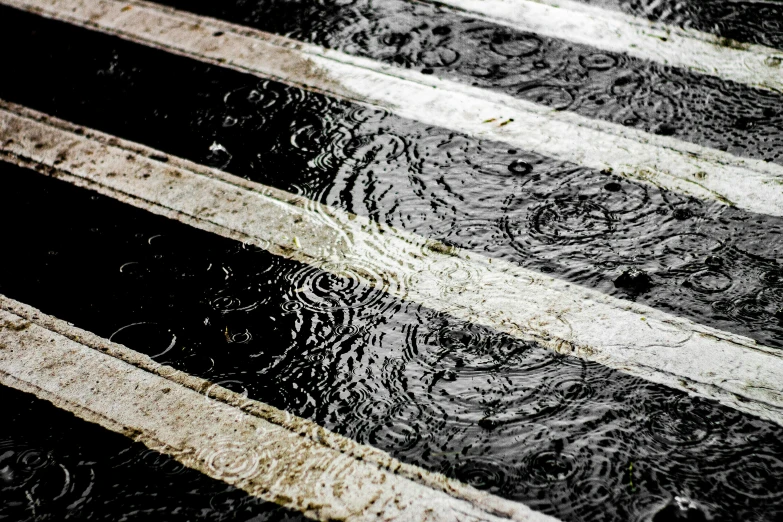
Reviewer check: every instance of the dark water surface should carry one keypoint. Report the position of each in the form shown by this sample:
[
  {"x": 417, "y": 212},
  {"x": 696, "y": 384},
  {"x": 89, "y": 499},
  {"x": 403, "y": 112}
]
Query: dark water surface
[
  {"x": 751, "y": 21},
  {"x": 711, "y": 263},
  {"x": 54, "y": 467},
  {"x": 574, "y": 439},
  {"x": 559, "y": 74}
]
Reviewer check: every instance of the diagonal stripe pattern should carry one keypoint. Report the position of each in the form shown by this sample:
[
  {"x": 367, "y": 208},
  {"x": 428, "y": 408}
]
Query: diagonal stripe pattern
[
  {"x": 244, "y": 443},
  {"x": 566, "y": 318},
  {"x": 698, "y": 52},
  {"x": 288, "y": 460},
  {"x": 666, "y": 162}
]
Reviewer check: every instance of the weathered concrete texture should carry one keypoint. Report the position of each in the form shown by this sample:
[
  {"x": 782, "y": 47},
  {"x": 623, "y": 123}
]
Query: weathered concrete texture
[
  {"x": 702, "y": 53},
  {"x": 566, "y": 318},
  {"x": 659, "y": 160},
  {"x": 225, "y": 436}
]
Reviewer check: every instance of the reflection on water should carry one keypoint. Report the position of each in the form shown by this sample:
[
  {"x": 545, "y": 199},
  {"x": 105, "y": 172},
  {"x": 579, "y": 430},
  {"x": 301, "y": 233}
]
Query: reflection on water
[
  {"x": 708, "y": 262},
  {"x": 54, "y": 467},
  {"x": 750, "y": 21},
  {"x": 574, "y": 439},
  {"x": 697, "y": 259},
  {"x": 556, "y": 73}
]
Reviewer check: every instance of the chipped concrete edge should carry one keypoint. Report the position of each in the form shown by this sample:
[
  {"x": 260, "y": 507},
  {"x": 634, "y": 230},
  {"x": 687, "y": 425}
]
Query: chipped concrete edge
[
  {"x": 661, "y": 161},
  {"x": 570, "y": 319},
  {"x": 42, "y": 380}
]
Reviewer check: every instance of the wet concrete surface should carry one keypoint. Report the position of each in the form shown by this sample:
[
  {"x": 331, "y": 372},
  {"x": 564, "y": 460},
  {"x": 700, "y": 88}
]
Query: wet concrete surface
[
  {"x": 573, "y": 439},
  {"x": 751, "y": 21},
  {"x": 714, "y": 264},
  {"x": 556, "y": 73},
  {"x": 56, "y": 467}
]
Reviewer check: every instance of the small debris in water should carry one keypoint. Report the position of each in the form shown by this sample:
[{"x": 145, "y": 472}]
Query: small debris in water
[
  {"x": 681, "y": 509},
  {"x": 488, "y": 424},
  {"x": 713, "y": 261},
  {"x": 520, "y": 167},
  {"x": 634, "y": 279},
  {"x": 682, "y": 214},
  {"x": 745, "y": 123}
]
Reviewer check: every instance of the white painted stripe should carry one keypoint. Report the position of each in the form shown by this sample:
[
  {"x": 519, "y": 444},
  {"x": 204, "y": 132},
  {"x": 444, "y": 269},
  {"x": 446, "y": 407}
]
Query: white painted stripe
[
  {"x": 248, "y": 444},
  {"x": 684, "y": 167},
  {"x": 703, "y": 53},
  {"x": 566, "y": 318}
]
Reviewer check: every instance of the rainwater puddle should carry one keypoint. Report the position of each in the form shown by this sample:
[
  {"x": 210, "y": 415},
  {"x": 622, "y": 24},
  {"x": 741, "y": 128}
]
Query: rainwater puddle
[
  {"x": 56, "y": 467},
  {"x": 573, "y": 439},
  {"x": 555, "y": 73},
  {"x": 750, "y": 21},
  {"x": 705, "y": 261},
  {"x": 570, "y": 438}
]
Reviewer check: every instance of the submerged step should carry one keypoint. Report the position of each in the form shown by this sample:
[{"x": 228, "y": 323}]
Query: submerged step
[
  {"x": 247, "y": 444},
  {"x": 502, "y": 414},
  {"x": 496, "y": 55},
  {"x": 711, "y": 263},
  {"x": 367, "y": 337},
  {"x": 659, "y": 160},
  {"x": 56, "y": 466},
  {"x": 566, "y": 318},
  {"x": 722, "y": 18},
  {"x": 702, "y": 53}
]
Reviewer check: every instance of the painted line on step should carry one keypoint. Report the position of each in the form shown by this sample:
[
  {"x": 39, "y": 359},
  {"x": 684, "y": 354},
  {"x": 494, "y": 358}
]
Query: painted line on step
[
  {"x": 248, "y": 444},
  {"x": 706, "y": 173},
  {"x": 702, "y": 53},
  {"x": 564, "y": 317}
]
